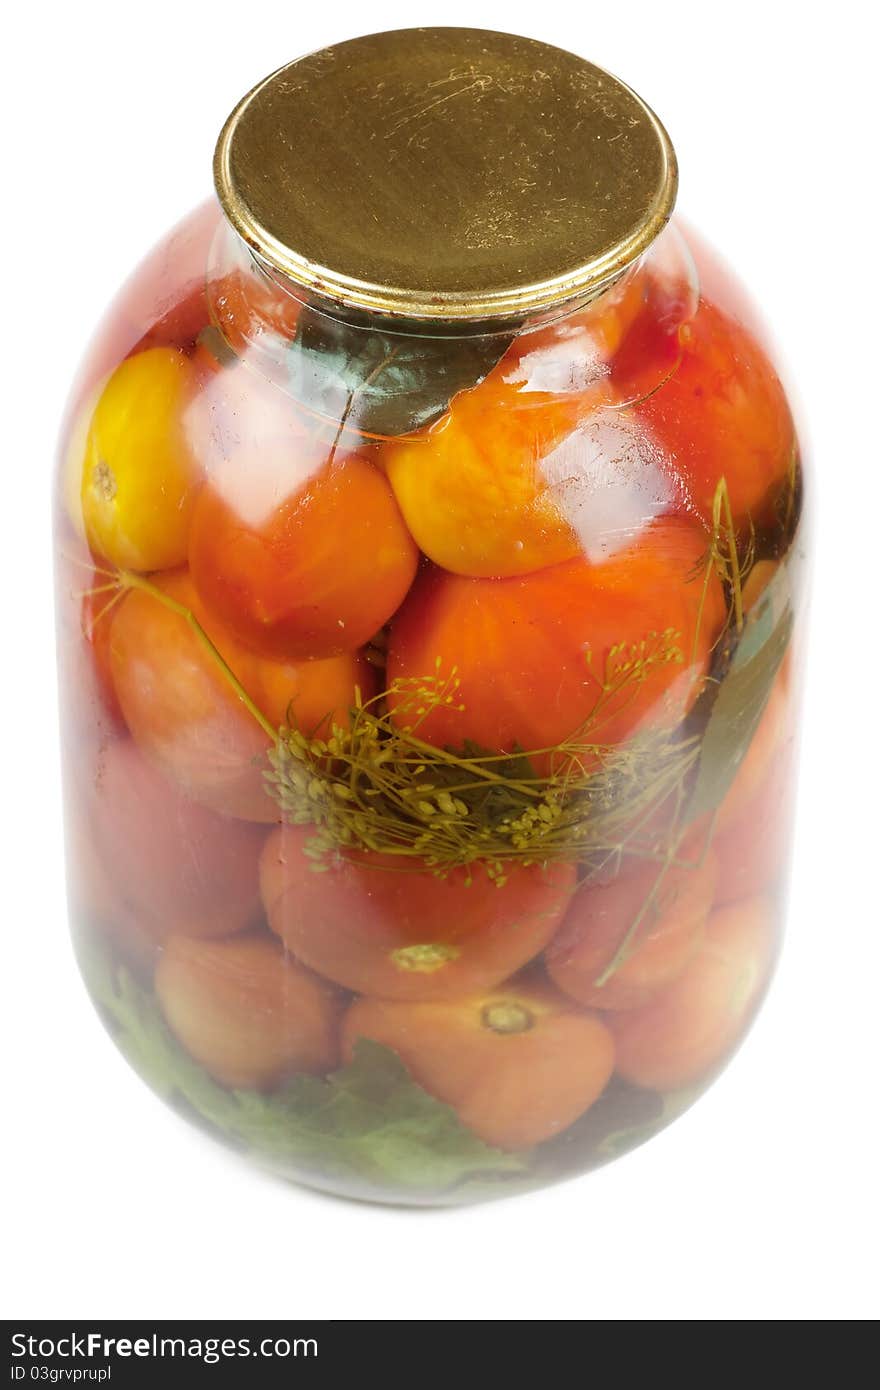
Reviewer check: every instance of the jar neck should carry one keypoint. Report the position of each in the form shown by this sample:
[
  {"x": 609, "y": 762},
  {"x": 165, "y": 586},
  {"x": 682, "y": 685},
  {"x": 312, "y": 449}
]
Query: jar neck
[
  {"x": 404, "y": 373},
  {"x": 273, "y": 296}
]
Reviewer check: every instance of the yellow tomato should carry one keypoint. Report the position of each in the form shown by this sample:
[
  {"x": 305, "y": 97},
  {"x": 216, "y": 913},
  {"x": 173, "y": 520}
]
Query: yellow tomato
[
  {"x": 491, "y": 491},
  {"x": 74, "y": 443},
  {"x": 472, "y": 493},
  {"x": 138, "y": 476}
]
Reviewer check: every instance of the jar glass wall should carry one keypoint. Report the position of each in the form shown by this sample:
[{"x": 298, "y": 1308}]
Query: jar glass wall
[{"x": 428, "y": 713}]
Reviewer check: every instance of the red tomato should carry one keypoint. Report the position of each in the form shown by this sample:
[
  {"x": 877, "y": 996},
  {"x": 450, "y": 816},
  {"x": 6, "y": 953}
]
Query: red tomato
[
  {"x": 686, "y": 1030},
  {"x": 722, "y": 414},
  {"x": 753, "y": 850},
  {"x": 168, "y": 292},
  {"x": 381, "y": 925},
  {"x": 99, "y": 912},
  {"x": 175, "y": 866},
  {"x": 651, "y": 347},
  {"x": 250, "y": 308},
  {"x": 187, "y": 718},
  {"x": 84, "y": 609},
  {"x": 519, "y": 1065},
  {"x": 245, "y": 1012},
  {"x": 181, "y": 324},
  {"x": 247, "y": 318},
  {"x": 665, "y": 939},
  {"x": 533, "y": 653},
  {"x": 299, "y": 556}
]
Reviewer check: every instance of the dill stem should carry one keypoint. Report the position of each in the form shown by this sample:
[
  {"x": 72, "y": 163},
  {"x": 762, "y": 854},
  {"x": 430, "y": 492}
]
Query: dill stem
[
  {"x": 736, "y": 579},
  {"x": 98, "y": 589},
  {"x": 721, "y": 502},
  {"x": 428, "y": 750},
  {"x": 111, "y": 603}
]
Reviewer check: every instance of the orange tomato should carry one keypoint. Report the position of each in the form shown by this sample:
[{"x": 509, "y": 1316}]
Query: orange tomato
[
  {"x": 722, "y": 414},
  {"x": 301, "y": 557},
  {"x": 496, "y": 487},
  {"x": 186, "y": 716},
  {"x": 550, "y": 654},
  {"x": 518, "y": 1065},
  {"x": 666, "y": 938},
  {"x": 684, "y": 1032},
  {"x": 244, "y": 1012},
  {"x": 381, "y": 925},
  {"x": 176, "y": 867}
]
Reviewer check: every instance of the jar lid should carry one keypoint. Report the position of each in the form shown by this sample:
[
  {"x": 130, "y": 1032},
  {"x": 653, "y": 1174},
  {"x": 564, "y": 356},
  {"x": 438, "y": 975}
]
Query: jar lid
[{"x": 445, "y": 174}]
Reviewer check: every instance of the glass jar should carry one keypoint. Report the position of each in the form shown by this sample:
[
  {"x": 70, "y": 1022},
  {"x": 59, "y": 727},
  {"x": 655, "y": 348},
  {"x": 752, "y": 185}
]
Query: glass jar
[{"x": 429, "y": 546}]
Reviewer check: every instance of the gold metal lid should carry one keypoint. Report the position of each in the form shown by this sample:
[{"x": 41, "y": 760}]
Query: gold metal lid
[{"x": 450, "y": 174}]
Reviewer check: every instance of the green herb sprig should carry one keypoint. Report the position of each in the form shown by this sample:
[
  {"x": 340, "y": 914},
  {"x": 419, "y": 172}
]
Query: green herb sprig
[
  {"x": 377, "y": 785},
  {"x": 367, "y": 1123}
]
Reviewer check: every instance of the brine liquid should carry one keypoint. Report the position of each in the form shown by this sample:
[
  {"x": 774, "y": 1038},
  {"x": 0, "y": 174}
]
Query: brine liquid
[{"x": 428, "y": 712}]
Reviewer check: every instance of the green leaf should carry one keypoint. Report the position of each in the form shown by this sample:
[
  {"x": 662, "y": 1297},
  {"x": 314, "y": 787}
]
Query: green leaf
[
  {"x": 367, "y": 1122},
  {"x": 771, "y": 610},
  {"x": 385, "y": 384},
  {"x": 738, "y": 706}
]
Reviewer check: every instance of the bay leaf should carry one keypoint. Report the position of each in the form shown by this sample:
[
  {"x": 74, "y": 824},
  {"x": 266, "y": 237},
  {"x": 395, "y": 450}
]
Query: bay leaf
[
  {"x": 387, "y": 384},
  {"x": 766, "y": 613},
  {"x": 737, "y": 708}
]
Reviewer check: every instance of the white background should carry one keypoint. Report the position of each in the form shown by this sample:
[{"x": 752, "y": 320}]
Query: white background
[{"x": 762, "y": 1202}]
